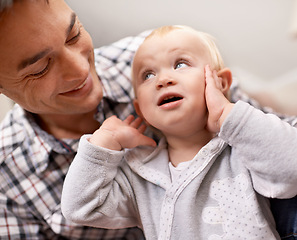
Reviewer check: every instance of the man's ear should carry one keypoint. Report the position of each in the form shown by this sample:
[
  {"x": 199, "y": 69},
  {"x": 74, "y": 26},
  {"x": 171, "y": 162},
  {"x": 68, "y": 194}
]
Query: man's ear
[{"x": 226, "y": 75}]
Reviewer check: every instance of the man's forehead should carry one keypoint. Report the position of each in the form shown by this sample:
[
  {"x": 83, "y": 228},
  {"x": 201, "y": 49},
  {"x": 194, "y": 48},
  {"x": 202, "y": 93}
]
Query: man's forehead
[{"x": 26, "y": 30}]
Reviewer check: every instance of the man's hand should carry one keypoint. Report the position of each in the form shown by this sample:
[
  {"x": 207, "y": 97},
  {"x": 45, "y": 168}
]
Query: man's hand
[
  {"x": 217, "y": 103},
  {"x": 116, "y": 134}
]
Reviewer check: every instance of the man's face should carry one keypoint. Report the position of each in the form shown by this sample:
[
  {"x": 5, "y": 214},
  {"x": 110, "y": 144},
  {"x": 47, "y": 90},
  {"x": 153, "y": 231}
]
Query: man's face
[{"x": 46, "y": 59}]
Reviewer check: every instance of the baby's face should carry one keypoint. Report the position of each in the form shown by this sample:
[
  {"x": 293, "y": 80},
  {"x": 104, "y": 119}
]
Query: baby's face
[{"x": 170, "y": 82}]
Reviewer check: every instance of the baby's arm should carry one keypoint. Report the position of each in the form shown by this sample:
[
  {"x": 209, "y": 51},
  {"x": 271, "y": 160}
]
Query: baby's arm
[
  {"x": 97, "y": 191},
  {"x": 116, "y": 134},
  {"x": 266, "y": 146},
  {"x": 217, "y": 103}
]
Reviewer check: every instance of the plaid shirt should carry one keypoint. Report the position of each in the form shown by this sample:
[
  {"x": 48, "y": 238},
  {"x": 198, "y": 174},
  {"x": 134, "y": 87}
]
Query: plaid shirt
[{"x": 34, "y": 163}]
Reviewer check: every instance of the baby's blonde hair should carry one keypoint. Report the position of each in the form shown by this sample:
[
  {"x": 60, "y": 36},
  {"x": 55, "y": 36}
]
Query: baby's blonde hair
[{"x": 207, "y": 39}]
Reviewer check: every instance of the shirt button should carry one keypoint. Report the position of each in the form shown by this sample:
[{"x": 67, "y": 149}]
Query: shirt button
[
  {"x": 167, "y": 200},
  {"x": 204, "y": 152}
]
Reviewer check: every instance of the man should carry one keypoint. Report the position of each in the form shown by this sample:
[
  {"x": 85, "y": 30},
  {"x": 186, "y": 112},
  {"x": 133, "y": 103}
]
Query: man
[{"x": 47, "y": 67}]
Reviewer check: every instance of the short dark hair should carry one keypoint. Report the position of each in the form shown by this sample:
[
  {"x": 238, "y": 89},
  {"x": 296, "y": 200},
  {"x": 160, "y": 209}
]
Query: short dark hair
[{"x": 4, "y": 4}]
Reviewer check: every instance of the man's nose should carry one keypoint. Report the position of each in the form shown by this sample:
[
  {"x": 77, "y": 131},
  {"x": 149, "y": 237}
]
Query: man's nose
[{"x": 74, "y": 65}]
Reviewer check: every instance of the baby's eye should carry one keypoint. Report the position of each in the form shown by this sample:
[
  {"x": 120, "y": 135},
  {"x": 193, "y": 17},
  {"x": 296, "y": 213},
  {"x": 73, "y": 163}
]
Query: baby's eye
[
  {"x": 181, "y": 65},
  {"x": 148, "y": 75}
]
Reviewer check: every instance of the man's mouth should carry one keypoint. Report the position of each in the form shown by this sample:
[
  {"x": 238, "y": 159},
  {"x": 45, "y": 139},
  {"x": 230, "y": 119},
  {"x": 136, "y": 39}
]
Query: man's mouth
[
  {"x": 81, "y": 86},
  {"x": 78, "y": 90}
]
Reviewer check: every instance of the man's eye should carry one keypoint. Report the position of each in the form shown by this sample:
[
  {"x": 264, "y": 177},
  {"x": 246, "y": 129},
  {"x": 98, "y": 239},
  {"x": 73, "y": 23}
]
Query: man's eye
[
  {"x": 75, "y": 37},
  {"x": 42, "y": 72}
]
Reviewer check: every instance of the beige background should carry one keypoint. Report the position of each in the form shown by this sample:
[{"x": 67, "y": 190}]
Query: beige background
[{"x": 254, "y": 36}]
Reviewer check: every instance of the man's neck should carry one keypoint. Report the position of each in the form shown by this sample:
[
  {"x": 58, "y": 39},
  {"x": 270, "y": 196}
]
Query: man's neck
[{"x": 68, "y": 126}]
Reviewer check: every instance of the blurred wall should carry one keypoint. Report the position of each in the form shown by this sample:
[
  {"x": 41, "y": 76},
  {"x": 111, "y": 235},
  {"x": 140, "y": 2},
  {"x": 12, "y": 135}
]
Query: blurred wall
[
  {"x": 252, "y": 35},
  {"x": 5, "y": 105},
  {"x": 255, "y": 36}
]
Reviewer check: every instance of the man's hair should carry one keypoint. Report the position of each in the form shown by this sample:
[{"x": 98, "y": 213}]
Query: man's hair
[{"x": 5, "y": 4}]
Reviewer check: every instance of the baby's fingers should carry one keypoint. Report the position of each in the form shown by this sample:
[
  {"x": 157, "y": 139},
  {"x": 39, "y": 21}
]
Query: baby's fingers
[
  {"x": 135, "y": 123},
  {"x": 212, "y": 79},
  {"x": 129, "y": 119},
  {"x": 146, "y": 141},
  {"x": 142, "y": 128}
]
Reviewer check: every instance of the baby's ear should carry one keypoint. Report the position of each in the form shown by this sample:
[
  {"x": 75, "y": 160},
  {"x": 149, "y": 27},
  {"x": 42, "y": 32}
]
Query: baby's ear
[
  {"x": 226, "y": 75},
  {"x": 137, "y": 109}
]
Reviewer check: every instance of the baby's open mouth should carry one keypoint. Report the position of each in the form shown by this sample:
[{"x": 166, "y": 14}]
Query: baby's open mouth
[{"x": 169, "y": 99}]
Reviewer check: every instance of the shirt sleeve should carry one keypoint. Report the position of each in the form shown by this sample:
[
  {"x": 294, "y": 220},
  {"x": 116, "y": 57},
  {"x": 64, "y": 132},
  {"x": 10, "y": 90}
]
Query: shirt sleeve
[
  {"x": 267, "y": 147},
  {"x": 96, "y": 191},
  {"x": 237, "y": 94}
]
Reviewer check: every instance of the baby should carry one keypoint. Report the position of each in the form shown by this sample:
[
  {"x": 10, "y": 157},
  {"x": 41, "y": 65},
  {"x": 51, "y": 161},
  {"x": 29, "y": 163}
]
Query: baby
[{"x": 208, "y": 176}]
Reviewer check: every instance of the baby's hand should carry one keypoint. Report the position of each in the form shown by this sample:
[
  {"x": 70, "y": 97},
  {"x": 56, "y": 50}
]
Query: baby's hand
[
  {"x": 116, "y": 134},
  {"x": 218, "y": 105}
]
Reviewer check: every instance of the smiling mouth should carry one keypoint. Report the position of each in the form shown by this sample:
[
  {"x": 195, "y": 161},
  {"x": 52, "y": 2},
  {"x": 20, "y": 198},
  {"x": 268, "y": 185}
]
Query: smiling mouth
[
  {"x": 76, "y": 90},
  {"x": 169, "y": 99},
  {"x": 81, "y": 86}
]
